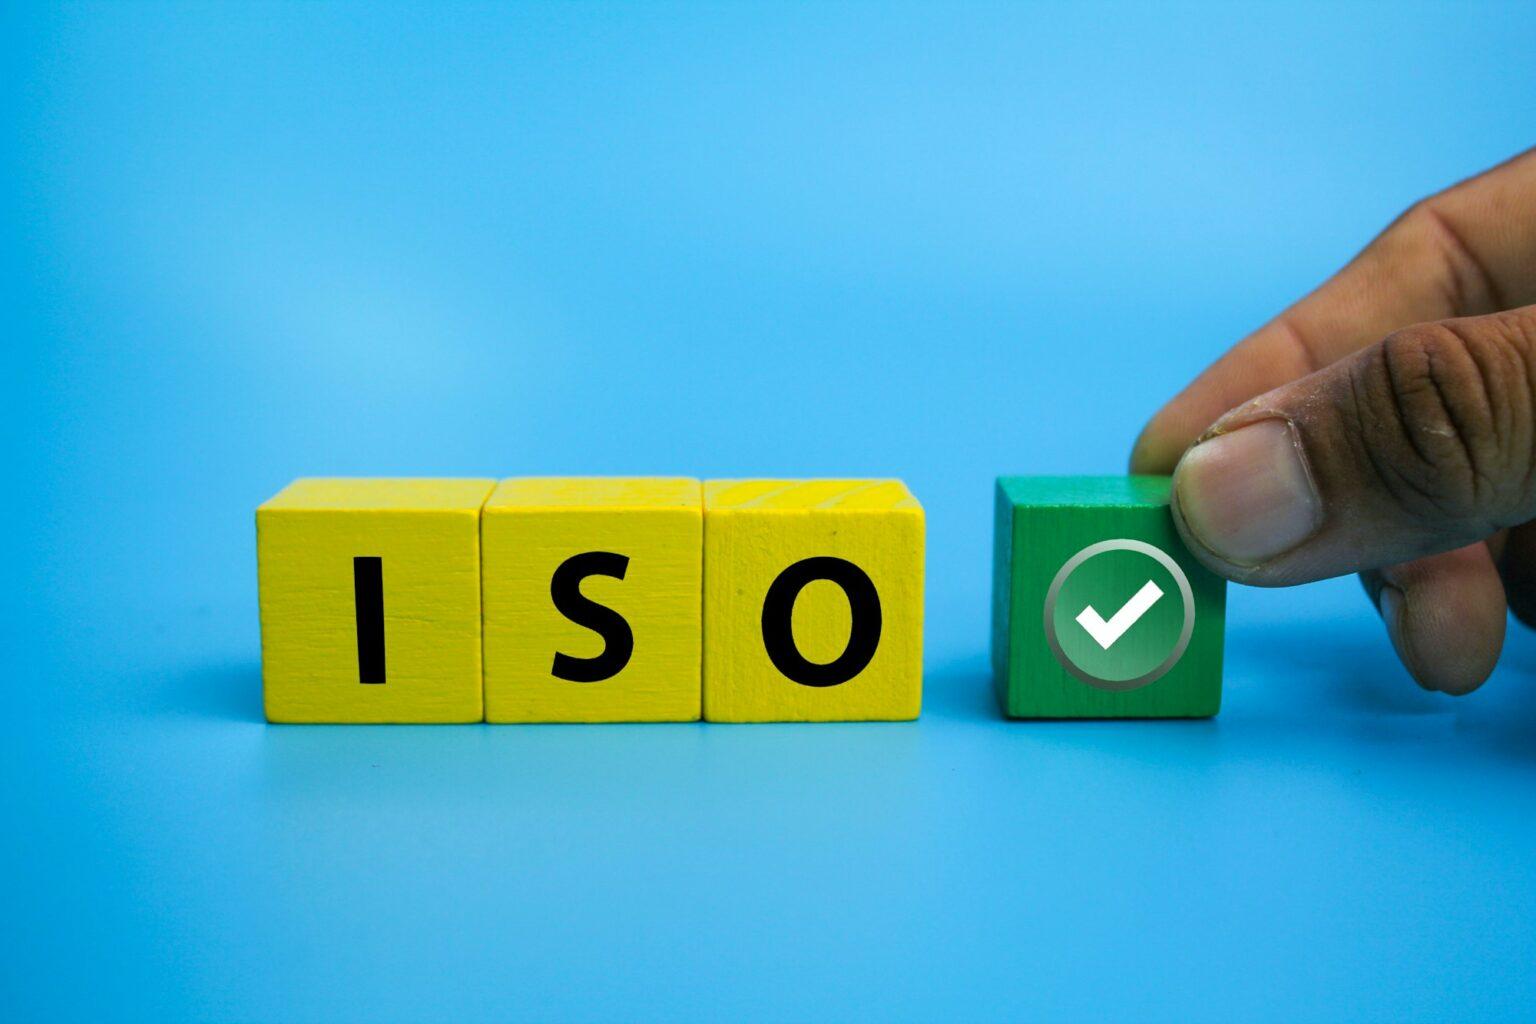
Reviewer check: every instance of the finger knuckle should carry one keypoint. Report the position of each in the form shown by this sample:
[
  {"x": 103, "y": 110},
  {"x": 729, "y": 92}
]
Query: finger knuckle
[
  {"x": 1447, "y": 417},
  {"x": 1426, "y": 237}
]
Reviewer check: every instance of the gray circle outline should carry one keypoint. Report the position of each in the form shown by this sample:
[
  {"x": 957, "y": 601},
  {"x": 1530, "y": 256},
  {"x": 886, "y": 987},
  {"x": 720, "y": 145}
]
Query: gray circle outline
[{"x": 1120, "y": 544}]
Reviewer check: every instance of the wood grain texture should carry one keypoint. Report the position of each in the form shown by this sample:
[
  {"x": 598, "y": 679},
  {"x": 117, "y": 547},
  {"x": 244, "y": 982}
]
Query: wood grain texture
[
  {"x": 1041, "y": 523},
  {"x": 529, "y": 528},
  {"x": 426, "y": 535},
  {"x": 753, "y": 531}
]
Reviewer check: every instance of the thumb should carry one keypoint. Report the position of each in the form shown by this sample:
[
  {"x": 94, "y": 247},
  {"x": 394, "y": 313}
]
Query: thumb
[{"x": 1421, "y": 443}]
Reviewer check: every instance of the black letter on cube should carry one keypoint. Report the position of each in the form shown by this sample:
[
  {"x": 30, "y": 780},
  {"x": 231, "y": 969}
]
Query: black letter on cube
[
  {"x": 565, "y": 590},
  {"x": 368, "y": 596},
  {"x": 778, "y": 611}
]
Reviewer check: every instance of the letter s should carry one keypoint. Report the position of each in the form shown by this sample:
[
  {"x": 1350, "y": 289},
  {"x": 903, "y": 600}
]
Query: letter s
[{"x": 565, "y": 590}]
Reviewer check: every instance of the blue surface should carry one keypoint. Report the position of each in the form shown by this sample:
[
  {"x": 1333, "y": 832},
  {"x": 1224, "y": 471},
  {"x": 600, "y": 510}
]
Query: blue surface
[{"x": 244, "y": 244}]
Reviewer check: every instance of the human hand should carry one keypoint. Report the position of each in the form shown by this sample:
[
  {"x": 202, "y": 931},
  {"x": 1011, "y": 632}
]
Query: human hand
[{"x": 1386, "y": 425}]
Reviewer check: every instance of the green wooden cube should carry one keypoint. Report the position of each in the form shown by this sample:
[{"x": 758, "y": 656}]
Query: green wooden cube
[{"x": 1098, "y": 609}]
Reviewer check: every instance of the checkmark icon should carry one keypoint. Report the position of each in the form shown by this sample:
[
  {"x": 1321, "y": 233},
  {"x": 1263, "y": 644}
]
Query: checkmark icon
[
  {"x": 1098, "y": 577},
  {"x": 1106, "y": 633}
]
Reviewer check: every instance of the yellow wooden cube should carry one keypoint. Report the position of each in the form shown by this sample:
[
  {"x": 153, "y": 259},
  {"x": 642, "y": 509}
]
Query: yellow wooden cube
[
  {"x": 592, "y": 599},
  {"x": 813, "y": 601},
  {"x": 370, "y": 600}
]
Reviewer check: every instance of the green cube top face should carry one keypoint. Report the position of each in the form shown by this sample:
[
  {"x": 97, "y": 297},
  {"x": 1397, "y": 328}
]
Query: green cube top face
[{"x": 1098, "y": 609}]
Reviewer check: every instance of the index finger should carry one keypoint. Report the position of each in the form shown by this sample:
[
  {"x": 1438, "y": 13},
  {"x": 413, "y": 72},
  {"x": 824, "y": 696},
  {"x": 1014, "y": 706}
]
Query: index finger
[{"x": 1465, "y": 251}]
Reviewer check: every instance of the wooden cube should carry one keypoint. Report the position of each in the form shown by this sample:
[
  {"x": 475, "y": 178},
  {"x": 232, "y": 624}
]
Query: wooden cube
[
  {"x": 1098, "y": 609},
  {"x": 592, "y": 599},
  {"x": 370, "y": 600},
  {"x": 813, "y": 601}
]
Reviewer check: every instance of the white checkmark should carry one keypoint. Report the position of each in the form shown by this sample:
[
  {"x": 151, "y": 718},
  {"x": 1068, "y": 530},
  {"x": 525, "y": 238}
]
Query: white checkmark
[{"x": 1106, "y": 633}]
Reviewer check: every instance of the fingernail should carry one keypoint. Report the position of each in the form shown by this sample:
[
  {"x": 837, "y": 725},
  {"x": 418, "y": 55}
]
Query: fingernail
[
  {"x": 1390, "y": 603},
  {"x": 1247, "y": 495}
]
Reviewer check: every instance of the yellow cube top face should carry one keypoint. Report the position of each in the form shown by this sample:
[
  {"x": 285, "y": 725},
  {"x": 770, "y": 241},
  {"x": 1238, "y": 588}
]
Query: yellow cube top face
[
  {"x": 381, "y": 494},
  {"x": 638, "y": 493},
  {"x": 593, "y": 593},
  {"x": 807, "y": 495},
  {"x": 370, "y": 600},
  {"x": 813, "y": 601}
]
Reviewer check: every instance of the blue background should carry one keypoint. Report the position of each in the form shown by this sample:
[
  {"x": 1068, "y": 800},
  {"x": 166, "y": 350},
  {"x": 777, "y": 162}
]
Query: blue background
[{"x": 244, "y": 244}]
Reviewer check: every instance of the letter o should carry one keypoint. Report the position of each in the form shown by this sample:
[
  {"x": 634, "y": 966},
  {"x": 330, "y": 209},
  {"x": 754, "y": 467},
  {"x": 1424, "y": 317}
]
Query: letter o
[{"x": 778, "y": 624}]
